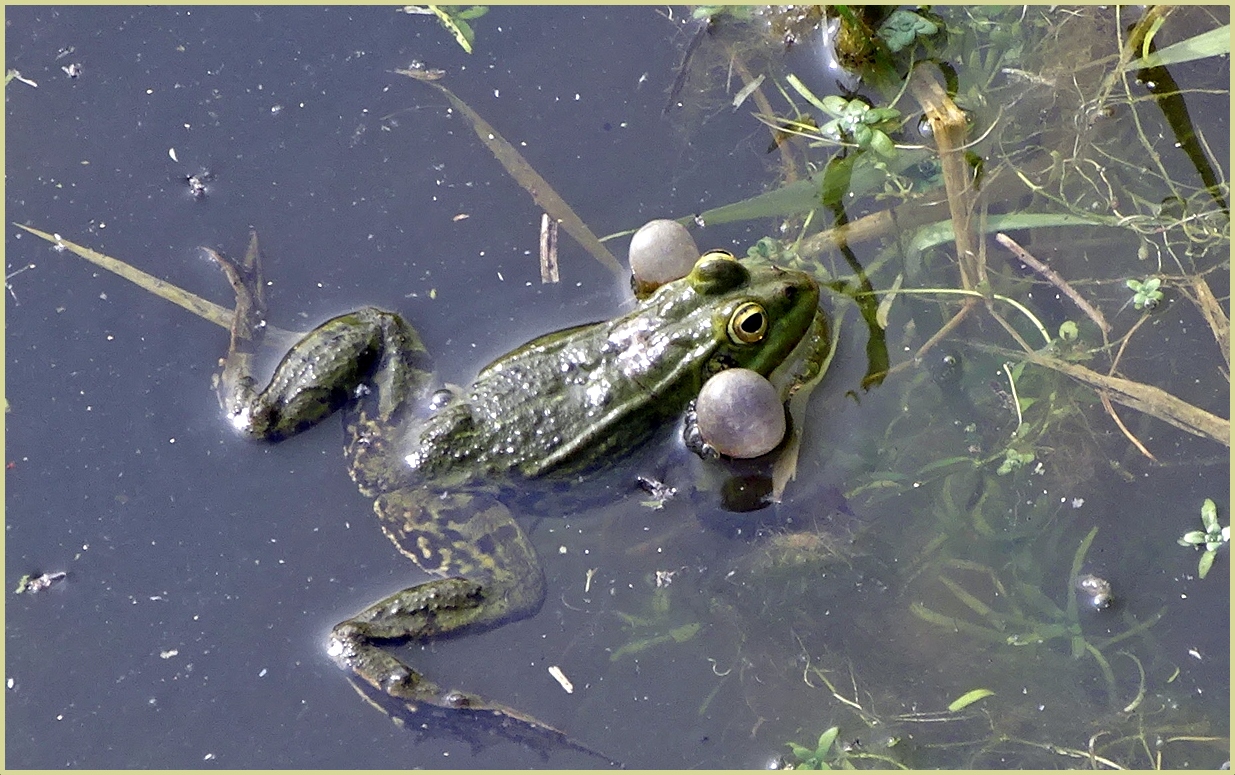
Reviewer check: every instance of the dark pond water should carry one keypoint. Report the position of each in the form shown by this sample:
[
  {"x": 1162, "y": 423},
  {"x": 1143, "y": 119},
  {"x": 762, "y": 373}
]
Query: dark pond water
[{"x": 205, "y": 572}]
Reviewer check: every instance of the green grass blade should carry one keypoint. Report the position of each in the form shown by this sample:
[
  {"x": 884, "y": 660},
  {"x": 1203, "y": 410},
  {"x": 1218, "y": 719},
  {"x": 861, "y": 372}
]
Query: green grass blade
[
  {"x": 1207, "y": 44},
  {"x": 1077, "y": 560},
  {"x": 519, "y": 169},
  {"x": 969, "y": 698},
  {"x": 220, "y": 316}
]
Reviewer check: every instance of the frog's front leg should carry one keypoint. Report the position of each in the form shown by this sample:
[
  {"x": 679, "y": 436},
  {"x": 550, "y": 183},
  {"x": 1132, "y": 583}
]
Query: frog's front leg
[
  {"x": 492, "y": 576},
  {"x": 322, "y": 372}
]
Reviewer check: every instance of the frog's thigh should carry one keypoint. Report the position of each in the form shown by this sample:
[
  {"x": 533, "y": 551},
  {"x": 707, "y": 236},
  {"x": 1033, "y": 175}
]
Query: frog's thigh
[{"x": 470, "y": 536}]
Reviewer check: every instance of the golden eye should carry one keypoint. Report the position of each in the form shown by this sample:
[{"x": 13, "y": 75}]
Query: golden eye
[
  {"x": 711, "y": 254},
  {"x": 748, "y": 324}
]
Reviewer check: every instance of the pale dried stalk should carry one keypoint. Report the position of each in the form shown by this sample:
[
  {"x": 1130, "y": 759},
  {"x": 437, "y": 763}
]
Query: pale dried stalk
[
  {"x": 548, "y": 249},
  {"x": 948, "y": 124},
  {"x": 1110, "y": 410},
  {"x": 1218, "y": 322},
  {"x": 523, "y": 173},
  {"x": 1144, "y": 398},
  {"x": 1054, "y": 279}
]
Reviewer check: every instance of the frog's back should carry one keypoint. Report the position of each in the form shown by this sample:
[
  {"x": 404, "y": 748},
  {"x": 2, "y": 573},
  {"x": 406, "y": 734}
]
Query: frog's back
[{"x": 560, "y": 402}]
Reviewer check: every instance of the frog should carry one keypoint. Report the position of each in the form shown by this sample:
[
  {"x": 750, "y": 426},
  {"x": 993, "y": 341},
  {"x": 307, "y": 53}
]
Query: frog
[{"x": 435, "y": 462}]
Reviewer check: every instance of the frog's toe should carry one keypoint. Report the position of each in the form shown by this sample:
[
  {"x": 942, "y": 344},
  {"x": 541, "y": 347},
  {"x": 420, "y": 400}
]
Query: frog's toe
[
  {"x": 457, "y": 699},
  {"x": 240, "y": 417},
  {"x": 402, "y": 682},
  {"x": 342, "y": 644}
]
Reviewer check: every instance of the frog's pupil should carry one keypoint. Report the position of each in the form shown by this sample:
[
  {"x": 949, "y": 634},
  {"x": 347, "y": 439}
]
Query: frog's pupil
[{"x": 752, "y": 323}]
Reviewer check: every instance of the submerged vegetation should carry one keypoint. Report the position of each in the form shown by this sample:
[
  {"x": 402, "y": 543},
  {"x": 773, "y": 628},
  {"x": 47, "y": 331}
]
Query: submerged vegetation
[{"x": 1018, "y": 205}]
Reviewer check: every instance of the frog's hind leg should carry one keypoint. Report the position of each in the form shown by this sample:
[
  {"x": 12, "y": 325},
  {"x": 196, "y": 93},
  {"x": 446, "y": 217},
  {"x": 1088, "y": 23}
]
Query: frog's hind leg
[
  {"x": 493, "y": 577},
  {"x": 369, "y": 351}
]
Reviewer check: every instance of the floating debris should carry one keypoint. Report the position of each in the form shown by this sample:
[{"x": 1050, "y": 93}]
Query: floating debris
[
  {"x": 548, "y": 249},
  {"x": 30, "y": 584},
  {"x": 1096, "y": 590},
  {"x": 197, "y": 183},
  {"x": 561, "y": 678},
  {"x": 661, "y": 493}
]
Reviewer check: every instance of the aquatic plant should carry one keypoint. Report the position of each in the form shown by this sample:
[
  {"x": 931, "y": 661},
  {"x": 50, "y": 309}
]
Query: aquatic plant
[
  {"x": 1146, "y": 292},
  {"x": 1213, "y": 537}
]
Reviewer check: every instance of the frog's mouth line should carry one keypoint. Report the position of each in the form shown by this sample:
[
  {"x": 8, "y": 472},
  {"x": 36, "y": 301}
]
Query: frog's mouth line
[{"x": 786, "y": 373}]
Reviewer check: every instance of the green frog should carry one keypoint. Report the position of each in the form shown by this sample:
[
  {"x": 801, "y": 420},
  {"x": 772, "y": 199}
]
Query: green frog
[{"x": 435, "y": 462}]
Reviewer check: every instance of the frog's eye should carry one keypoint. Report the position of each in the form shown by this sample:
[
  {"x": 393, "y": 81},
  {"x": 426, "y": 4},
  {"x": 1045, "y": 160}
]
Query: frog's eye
[{"x": 748, "y": 324}]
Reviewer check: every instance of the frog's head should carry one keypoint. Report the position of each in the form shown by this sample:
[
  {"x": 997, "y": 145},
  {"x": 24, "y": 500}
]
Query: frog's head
[{"x": 759, "y": 312}]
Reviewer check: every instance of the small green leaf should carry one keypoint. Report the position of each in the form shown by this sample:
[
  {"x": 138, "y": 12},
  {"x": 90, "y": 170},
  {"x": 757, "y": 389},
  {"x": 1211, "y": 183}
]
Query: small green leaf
[
  {"x": 1068, "y": 331},
  {"x": 834, "y": 106},
  {"x": 475, "y": 12},
  {"x": 1192, "y": 538},
  {"x": 856, "y": 109},
  {"x": 459, "y": 28},
  {"x": 836, "y": 178},
  {"x": 882, "y": 144},
  {"x": 801, "y": 752},
  {"x": 969, "y": 698},
  {"x": 1207, "y": 561},
  {"x": 826, "y": 739},
  {"x": 881, "y": 115},
  {"x": 1209, "y": 515},
  {"x": 1078, "y": 647},
  {"x": 685, "y": 632},
  {"x": 660, "y": 600}
]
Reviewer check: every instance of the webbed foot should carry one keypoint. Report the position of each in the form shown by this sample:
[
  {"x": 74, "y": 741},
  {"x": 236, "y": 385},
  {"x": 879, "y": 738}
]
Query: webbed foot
[
  {"x": 234, "y": 384},
  {"x": 321, "y": 372}
]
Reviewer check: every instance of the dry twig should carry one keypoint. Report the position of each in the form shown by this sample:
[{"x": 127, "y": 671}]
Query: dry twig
[
  {"x": 1054, "y": 279},
  {"x": 1143, "y": 398},
  {"x": 1106, "y": 404}
]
